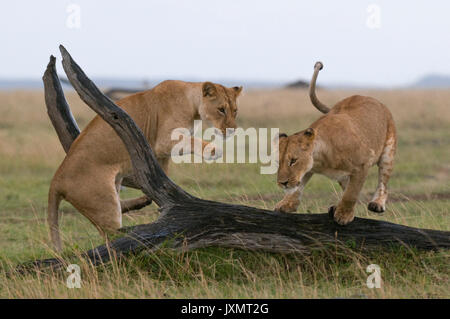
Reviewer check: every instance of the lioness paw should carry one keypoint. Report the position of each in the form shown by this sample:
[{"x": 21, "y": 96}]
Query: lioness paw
[
  {"x": 212, "y": 152},
  {"x": 340, "y": 216},
  {"x": 287, "y": 206},
  {"x": 376, "y": 208}
]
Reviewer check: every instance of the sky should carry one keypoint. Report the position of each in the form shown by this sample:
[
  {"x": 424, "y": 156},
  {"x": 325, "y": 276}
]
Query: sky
[{"x": 381, "y": 43}]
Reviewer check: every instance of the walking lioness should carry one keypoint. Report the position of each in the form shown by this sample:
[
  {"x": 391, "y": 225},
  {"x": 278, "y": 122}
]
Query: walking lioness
[
  {"x": 355, "y": 134},
  {"x": 92, "y": 171}
]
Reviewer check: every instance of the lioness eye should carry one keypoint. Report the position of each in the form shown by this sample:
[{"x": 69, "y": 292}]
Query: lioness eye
[
  {"x": 222, "y": 110},
  {"x": 292, "y": 161}
]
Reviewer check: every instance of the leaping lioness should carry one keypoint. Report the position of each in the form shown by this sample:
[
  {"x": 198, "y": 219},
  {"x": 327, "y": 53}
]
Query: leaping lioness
[
  {"x": 355, "y": 134},
  {"x": 92, "y": 171}
]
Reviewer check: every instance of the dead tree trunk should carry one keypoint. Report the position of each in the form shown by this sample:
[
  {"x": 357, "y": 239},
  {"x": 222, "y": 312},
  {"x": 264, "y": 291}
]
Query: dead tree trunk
[
  {"x": 190, "y": 222},
  {"x": 60, "y": 115}
]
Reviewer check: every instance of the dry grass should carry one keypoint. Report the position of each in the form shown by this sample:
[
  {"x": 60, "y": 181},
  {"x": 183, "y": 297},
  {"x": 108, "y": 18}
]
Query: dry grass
[{"x": 30, "y": 153}]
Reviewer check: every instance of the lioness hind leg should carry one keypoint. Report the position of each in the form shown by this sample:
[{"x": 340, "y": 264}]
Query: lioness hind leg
[
  {"x": 99, "y": 203},
  {"x": 385, "y": 166}
]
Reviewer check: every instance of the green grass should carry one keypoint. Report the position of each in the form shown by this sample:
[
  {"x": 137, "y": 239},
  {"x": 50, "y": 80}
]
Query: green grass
[{"x": 419, "y": 197}]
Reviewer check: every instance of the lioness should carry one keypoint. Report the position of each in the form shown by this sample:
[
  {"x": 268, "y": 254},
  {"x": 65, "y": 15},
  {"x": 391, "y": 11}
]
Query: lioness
[
  {"x": 92, "y": 171},
  {"x": 355, "y": 134}
]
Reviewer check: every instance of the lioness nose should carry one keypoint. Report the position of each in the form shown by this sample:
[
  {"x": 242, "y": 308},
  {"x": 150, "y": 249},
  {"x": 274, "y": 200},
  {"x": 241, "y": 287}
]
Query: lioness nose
[{"x": 284, "y": 183}]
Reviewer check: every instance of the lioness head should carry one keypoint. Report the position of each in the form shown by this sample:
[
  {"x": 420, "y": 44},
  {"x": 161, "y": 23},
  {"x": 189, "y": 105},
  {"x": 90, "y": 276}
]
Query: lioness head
[
  {"x": 295, "y": 157},
  {"x": 219, "y": 105}
]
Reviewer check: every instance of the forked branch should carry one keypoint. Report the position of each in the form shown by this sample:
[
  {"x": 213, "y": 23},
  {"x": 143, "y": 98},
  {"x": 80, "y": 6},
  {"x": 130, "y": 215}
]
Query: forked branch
[{"x": 58, "y": 111}]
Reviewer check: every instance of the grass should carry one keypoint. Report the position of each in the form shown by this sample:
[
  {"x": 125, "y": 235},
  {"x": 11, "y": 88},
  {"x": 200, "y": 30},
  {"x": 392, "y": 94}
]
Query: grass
[{"x": 419, "y": 197}]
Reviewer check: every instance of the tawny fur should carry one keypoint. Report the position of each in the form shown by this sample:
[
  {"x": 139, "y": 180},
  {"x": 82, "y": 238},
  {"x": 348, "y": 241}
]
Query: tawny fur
[
  {"x": 91, "y": 173},
  {"x": 357, "y": 133}
]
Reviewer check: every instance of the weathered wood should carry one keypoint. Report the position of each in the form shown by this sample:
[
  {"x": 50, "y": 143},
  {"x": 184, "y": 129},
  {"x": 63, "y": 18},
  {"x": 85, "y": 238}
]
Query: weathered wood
[
  {"x": 205, "y": 224},
  {"x": 188, "y": 222},
  {"x": 58, "y": 111},
  {"x": 57, "y": 108}
]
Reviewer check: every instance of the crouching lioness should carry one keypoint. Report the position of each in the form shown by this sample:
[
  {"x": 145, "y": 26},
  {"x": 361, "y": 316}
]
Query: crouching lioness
[
  {"x": 355, "y": 134},
  {"x": 91, "y": 173}
]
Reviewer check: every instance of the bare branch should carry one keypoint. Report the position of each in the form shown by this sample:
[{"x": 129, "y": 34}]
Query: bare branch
[{"x": 57, "y": 108}]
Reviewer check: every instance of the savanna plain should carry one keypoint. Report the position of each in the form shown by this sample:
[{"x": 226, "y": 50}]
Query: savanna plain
[{"x": 419, "y": 197}]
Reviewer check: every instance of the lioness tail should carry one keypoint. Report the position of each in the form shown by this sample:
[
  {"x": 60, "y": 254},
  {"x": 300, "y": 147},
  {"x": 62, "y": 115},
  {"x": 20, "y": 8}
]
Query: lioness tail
[
  {"x": 54, "y": 198},
  {"x": 312, "y": 90}
]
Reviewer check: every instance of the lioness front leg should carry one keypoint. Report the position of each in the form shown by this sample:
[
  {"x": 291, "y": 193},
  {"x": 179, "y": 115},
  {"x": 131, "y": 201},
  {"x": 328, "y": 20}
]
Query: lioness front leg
[
  {"x": 209, "y": 150},
  {"x": 291, "y": 200},
  {"x": 193, "y": 145},
  {"x": 128, "y": 205},
  {"x": 344, "y": 212}
]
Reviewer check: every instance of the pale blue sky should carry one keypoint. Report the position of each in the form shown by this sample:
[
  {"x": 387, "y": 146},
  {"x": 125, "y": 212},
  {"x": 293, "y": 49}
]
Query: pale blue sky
[{"x": 209, "y": 39}]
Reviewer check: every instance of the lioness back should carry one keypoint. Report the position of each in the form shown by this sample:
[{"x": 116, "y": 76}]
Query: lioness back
[
  {"x": 357, "y": 119},
  {"x": 355, "y": 134},
  {"x": 99, "y": 138}
]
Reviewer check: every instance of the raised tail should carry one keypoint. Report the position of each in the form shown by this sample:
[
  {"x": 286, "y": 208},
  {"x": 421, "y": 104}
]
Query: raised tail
[
  {"x": 54, "y": 198},
  {"x": 312, "y": 90}
]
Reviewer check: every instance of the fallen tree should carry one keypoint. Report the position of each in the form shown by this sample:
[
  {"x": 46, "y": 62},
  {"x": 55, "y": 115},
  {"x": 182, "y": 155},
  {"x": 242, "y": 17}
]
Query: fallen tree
[{"x": 189, "y": 222}]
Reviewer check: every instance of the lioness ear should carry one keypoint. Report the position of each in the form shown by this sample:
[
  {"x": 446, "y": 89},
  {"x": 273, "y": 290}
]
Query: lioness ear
[
  {"x": 310, "y": 133},
  {"x": 209, "y": 89},
  {"x": 237, "y": 90},
  {"x": 277, "y": 138}
]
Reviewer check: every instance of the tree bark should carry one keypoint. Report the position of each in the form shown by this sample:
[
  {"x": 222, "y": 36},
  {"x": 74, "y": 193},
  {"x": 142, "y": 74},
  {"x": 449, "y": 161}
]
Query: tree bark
[
  {"x": 60, "y": 115},
  {"x": 188, "y": 222},
  {"x": 57, "y": 108}
]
